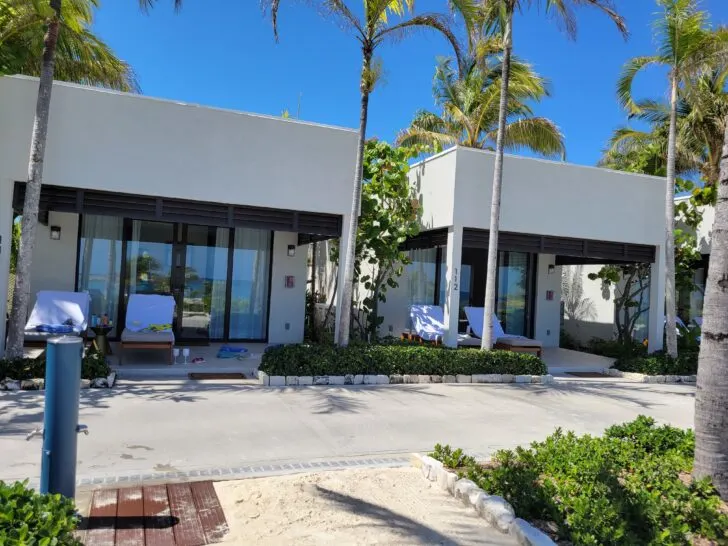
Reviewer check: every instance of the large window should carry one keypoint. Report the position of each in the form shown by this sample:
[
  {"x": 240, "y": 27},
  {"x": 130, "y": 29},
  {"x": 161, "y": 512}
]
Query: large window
[
  {"x": 421, "y": 276},
  {"x": 514, "y": 282},
  {"x": 99, "y": 263},
  {"x": 249, "y": 285}
]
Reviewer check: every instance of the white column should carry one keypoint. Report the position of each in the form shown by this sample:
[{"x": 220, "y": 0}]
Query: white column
[
  {"x": 6, "y": 225},
  {"x": 340, "y": 287},
  {"x": 656, "y": 324},
  {"x": 453, "y": 259}
]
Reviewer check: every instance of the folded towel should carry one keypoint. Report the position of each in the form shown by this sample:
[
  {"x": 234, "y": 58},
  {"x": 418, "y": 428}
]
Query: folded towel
[
  {"x": 54, "y": 328},
  {"x": 157, "y": 328}
]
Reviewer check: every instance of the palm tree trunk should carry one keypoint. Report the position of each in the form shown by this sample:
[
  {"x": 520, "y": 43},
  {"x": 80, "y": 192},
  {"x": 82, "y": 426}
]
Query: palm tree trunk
[
  {"x": 670, "y": 295},
  {"x": 349, "y": 255},
  {"x": 711, "y": 400},
  {"x": 21, "y": 292},
  {"x": 490, "y": 281}
]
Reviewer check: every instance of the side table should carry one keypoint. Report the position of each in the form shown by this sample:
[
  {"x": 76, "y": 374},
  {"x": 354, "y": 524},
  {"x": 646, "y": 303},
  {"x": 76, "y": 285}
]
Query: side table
[{"x": 101, "y": 342}]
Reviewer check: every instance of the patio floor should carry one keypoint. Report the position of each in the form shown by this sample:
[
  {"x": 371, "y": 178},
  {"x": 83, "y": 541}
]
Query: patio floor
[
  {"x": 560, "y": 361},
  {"x": 139, "y": 364}
]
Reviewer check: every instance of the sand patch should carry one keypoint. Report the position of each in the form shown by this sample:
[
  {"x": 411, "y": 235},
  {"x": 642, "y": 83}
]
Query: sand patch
[{"x": 376, "y": 506}]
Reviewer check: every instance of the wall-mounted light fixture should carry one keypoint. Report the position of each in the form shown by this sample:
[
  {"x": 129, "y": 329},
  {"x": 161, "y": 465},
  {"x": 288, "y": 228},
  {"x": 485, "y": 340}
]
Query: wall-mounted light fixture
[
  {"x": 552, "y": 268},
  {"x": 56, "y": 233},
  {"x": 291, "y": 250}
]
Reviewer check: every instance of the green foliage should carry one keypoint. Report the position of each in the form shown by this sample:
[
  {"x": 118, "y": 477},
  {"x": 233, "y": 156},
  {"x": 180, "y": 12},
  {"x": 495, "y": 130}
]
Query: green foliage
[
  {"x": 80, "y": 55},
  {"x": 93, "y": 365},
  {"x": 631, "y": 296},
  {"x": 30, "y": 519},
  {"x": 616, "y": 349},
  {"x": 390, "y": 213},
  {"x": 14, "y": 246},
  {"x": 660, "y": 364},
  {"x": 452, "y": 458},
  {"x": 631, "y": 486},
  {"x": 390, "y": 359}
]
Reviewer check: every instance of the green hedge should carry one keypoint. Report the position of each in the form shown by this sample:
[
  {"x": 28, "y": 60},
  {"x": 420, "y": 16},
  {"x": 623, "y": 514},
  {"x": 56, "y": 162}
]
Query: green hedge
[
  {"x": 631, "y": 486},
  {"x": 93, "y": 365},
  {"x": 310, "y": 360},
  {"x": 660, "y": 364},
  {"x": 28, "y": 518}
]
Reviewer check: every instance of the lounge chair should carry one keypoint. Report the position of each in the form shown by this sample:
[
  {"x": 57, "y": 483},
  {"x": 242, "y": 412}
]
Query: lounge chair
[
  {"x": 57, "y": 313},
  {"x": 148, "y": 324},
  {"x": 506, "y": 342},
  {"x": 428, "y": 322}
]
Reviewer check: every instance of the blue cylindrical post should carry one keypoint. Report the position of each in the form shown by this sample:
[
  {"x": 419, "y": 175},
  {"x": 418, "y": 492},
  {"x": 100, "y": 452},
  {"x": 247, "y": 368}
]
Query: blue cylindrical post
[{"x": 60, "y": 420}]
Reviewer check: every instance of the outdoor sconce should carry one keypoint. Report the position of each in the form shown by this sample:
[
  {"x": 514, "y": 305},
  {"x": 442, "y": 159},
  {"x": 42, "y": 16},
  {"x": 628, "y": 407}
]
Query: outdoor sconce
[
  {"x": 291, "y": 251},
  {"x": 56, "y": 233},
  {"x": 552, "y": 268}
]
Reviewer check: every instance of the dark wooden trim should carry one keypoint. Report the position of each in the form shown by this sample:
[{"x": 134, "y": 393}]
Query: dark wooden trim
[
  {"x": 167, "y": 209},
  {"x": 229, "y": 284},
  {"x": 270, "y": 287},
  {"x": 438, "y": 275}
]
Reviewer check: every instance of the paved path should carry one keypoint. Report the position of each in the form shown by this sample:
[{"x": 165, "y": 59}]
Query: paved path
[{"x": 186, "y": 427}]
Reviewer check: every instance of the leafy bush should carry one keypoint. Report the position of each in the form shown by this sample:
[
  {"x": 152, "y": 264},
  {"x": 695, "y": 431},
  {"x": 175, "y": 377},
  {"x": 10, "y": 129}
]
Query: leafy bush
[
  {"x": 631, "y": 486},
  {"x": 390, "y": 359},
  {"x": 452, "y": 458},
  {"x": 660, "y": 364},
  {"x": 28, "y": 518},
  {"x": 93, "y": 365},
  {"x": 614, "y": 348}
]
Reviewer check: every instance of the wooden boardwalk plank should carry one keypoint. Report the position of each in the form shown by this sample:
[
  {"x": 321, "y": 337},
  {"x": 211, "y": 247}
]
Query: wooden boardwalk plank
[
  {"x": 188, "y": 530},
  {"x": 157, "y": 518},
  {"x": 130, "y": 517},
  {"x": 209, "y": 511},
  {"x": 102, "y": 518}
]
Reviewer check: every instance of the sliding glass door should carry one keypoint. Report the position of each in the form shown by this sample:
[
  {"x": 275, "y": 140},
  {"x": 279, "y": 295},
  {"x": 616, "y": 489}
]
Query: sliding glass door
[{"x": 219, "y": 277}]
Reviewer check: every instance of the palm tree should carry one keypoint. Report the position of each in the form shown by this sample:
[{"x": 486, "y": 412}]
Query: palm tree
[
  {"x": 469, "y": 104},
  {"x": 500, "y": 13},
  {"x": 81, "y": 57},
  {"x": 688, "y": 48},
  {"x": 372, "y": 29},
  {"x": 711, "y": 399}
]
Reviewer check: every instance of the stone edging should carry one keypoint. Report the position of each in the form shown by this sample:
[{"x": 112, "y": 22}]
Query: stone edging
[
  {"x": 644, "y": 378},
  {"x": 492, "y": 508},
  {"x": 351, "y": 379},
  {"x": 39, "y": 384}
]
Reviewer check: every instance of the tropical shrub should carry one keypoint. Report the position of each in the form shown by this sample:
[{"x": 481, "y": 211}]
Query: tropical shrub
[
  {"x": 395, "y": 358},
  {"x": 93, "y": 365},
  {"x": 660, "y": 364},
  {"x": 630, "y": 486},
  {"x": 29, "y": 518}
]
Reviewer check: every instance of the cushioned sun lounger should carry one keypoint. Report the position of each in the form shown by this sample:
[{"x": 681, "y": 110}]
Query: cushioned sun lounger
[
  {"x": 57, "y": 313},
  {"x": 501, "y": 340},
  {"x": 148, "y": 324},
  {"x": 428, "y": 322}
]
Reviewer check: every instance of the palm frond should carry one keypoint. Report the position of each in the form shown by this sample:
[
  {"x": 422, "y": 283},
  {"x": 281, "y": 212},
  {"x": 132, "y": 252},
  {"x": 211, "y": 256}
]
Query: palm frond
[
  {"x": 145, "y": 5},
  {"x": 563, "y": 12},
  {"x": 539, "y": 135},
  {"x": 626, "y": 80}
]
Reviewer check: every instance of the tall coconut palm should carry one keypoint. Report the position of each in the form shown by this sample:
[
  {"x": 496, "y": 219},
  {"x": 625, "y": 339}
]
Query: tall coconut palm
[
  {"x": 501, "y": 12},
  {"x": 68, "y": 42},
  {"x": 371, "y": 29},
  {"x": 469, "y": 104},
  {"x": 711, "y": 399},
  {"x": 688, "y": 48}
]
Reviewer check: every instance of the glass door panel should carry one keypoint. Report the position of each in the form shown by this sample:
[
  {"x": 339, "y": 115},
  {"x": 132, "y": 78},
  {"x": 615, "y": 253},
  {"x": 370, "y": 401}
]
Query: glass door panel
[
  {"x": 149, "y": 258},
  {"x": 513, "y": 287},
  {"x": 201, "y": 312},
  {"x": 249, "y": 284}
]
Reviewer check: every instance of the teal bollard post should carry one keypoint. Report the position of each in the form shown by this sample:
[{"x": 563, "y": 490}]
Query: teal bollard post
[{"x": 60, "y": 420}]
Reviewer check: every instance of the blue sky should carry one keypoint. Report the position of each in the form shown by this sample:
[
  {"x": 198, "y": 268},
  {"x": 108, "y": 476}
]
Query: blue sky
[{"x": 222, "y": 53}]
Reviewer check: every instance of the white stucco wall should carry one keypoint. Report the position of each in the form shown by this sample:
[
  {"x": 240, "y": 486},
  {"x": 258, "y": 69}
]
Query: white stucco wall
[
  {"x": 599, "y": 322},
  {"x": 54, "y": 261},
  {"x": 434, "y": 180},
  {"x": 542, "y": 197},
  {"x": 113, "y": 141},
  {"x": 705, "y": 228},
  {"x": 547, "y": 322},
  {"x": 287, "y": 305}
]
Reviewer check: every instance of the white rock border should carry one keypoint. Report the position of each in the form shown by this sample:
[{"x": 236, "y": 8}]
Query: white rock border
[
  {"x": 351, "y": 379},
  {"x": 494, "y": 509},
  {"x": 38, "y": 384},
  {"x": 644, "y": 378}
]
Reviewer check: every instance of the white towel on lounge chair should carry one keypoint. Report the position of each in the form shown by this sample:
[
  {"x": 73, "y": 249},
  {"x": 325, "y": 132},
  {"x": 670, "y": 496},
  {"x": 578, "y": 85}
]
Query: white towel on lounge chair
[
  {"x": 475, "y": 319},
  {"x": 428, "y": 322},
  {"x": 56, "y": 308},
  {"x": 145, "y": 310}
]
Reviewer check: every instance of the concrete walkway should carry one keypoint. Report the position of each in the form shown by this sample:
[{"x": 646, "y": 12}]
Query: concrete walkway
[{"x": 146, "y": 427}]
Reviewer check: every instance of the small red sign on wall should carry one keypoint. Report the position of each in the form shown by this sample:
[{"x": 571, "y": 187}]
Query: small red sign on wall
[
  {"x": 549, "y": 295},
  {"x": 290, "y": 281}
]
